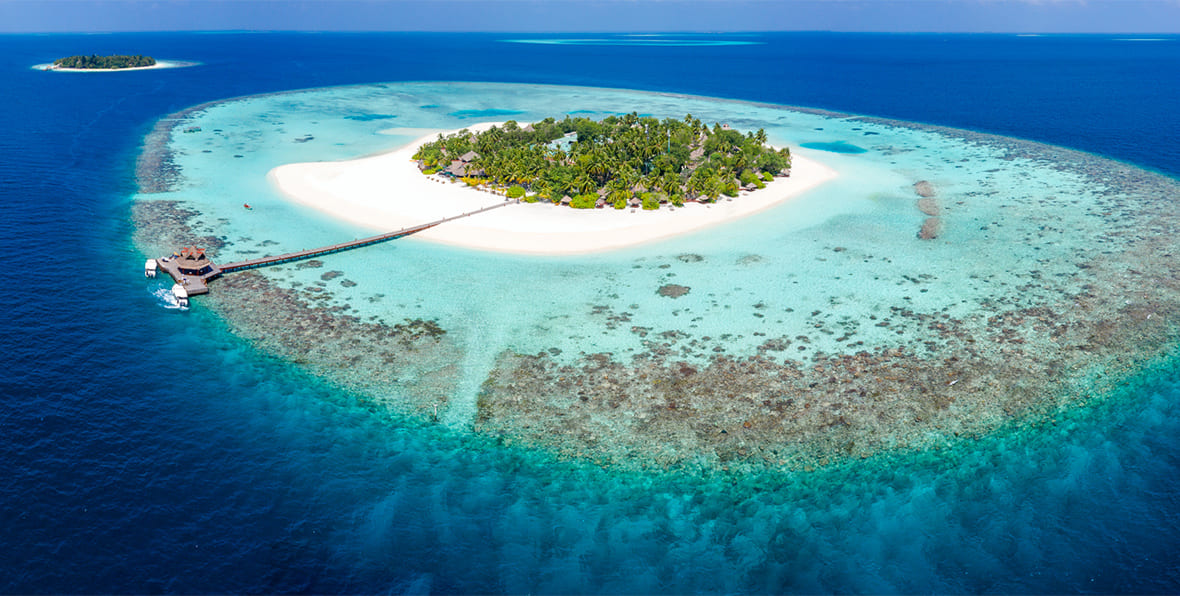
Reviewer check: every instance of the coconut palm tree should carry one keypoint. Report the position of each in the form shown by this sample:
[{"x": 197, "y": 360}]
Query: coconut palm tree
[
  {"x": 583, "y": 183},
  {"x": 601, "y": 164}
]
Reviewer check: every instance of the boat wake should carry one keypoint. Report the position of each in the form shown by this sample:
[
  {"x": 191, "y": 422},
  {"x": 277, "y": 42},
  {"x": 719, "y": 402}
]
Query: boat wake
[{"x": 166, "y": 299}]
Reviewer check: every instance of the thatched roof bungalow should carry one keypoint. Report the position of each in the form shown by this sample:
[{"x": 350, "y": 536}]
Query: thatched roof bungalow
[{"x": 193, "y": 261}]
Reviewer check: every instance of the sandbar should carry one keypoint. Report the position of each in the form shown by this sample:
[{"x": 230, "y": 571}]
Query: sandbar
[{"x": 387, "y": 192}]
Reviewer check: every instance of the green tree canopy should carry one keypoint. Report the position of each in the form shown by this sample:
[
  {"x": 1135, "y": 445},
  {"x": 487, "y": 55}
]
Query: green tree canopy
[
  {"x": 105, "y": 62},
  {"x": 618, "y": 157}
]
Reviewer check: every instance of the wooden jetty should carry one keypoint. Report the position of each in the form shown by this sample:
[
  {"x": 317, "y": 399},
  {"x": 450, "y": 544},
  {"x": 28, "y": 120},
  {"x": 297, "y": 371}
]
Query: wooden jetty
[{"x": 192, "y": 270}]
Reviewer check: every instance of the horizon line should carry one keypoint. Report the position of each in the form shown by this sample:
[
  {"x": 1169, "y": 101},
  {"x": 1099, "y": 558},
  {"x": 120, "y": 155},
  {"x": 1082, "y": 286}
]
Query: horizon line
[{"x": 557, "y": 33}]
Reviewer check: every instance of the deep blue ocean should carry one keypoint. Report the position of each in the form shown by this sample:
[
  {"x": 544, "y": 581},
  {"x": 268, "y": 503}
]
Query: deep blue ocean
[{"x": 120, "y": 474}]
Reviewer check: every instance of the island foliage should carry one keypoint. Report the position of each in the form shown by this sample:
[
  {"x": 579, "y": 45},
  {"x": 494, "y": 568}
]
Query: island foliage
[
  {"x": 104, "y": 62},
  {"x": 617, "y": 161}
]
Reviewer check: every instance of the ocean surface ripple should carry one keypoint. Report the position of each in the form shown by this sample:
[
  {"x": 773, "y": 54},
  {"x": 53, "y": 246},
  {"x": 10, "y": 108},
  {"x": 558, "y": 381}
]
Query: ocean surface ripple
[{"x": 149, "y": 449}]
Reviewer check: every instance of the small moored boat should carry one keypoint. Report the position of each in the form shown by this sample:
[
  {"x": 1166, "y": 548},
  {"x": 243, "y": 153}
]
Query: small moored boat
[{"x": 181, "y": 295}]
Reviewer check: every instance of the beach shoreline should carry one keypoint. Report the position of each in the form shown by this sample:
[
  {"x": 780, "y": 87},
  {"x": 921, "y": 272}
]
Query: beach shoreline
[{"x": 387, "y": 192}]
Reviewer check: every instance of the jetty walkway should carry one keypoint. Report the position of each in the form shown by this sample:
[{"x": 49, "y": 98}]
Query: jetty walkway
[{"x": 192, "y": 270}]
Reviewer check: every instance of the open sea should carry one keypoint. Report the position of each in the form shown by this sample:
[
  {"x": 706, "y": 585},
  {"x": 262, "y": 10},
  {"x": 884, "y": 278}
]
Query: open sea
[{"x": 148, "y": 449}]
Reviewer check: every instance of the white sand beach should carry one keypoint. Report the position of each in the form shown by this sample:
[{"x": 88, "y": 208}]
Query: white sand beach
[{"x": 387, "y": 192}]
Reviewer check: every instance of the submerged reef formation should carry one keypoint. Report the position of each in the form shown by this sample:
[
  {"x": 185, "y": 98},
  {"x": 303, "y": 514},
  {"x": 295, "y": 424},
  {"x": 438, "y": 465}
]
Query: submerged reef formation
[
  {"x": 1066, "y": 328},
  {"x": 412, "y": 357},
  {"x": 768, "y": 409}
]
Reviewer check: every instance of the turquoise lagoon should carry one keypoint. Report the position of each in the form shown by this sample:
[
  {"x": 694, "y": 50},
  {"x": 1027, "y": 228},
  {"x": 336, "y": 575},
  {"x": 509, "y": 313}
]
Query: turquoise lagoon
[{"x": 812, "y": 335}]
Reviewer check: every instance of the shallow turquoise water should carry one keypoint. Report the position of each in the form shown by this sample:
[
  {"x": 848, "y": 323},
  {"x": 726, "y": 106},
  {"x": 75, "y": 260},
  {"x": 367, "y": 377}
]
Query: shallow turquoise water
[
  {"x": 836, "y": 147},
  {"x": 271, "y": 480},
  {"x": 842, "y": 255}
]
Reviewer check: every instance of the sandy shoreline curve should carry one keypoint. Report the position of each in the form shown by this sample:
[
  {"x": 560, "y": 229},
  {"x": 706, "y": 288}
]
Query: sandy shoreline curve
[{"x": 387, "y": 192}]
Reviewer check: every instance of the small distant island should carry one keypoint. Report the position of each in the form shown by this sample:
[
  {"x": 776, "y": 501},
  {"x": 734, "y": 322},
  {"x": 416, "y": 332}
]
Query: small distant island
[
  {"x": 115, "y": 62},
  {"x": 619, "y": 161}
]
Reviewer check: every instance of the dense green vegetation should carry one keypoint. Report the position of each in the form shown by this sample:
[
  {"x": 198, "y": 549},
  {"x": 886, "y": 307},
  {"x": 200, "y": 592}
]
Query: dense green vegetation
[
  {"x": 616, "y": 161},
  {"x": 104, "y": 62}
]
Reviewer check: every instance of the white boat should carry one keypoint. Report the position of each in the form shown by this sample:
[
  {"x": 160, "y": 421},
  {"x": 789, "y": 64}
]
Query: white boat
[
  {"x": 149, "y": 268},
  {"x": 181, "y": 295}
]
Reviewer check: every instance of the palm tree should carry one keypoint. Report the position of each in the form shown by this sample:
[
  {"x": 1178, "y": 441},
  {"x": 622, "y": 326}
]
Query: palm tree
[
  {"x": 600, "y": 165},
  {"x": 741, "y": 158},
  {"x": 670, "y": 183},
  {"x": 648, "y": 150},
  {"x": 627, "y": 175},
  {"x": 584, "y": 183}
]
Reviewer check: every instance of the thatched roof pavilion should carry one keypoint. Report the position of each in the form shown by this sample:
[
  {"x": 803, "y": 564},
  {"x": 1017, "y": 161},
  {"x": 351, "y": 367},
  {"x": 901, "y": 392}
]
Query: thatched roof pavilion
[{"x": 193, "y": 261}]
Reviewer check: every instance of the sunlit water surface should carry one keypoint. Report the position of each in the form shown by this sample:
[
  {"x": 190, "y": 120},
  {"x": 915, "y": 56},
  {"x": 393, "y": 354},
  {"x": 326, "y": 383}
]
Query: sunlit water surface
[{"x": 189, "y": 457}]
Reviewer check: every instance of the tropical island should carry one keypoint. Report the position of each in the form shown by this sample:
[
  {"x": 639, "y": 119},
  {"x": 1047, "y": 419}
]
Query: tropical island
[
  {"x": 619, "y": 161},
  {"x": 388, "y": 191},
  {"x": 114, "y": 62}
]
